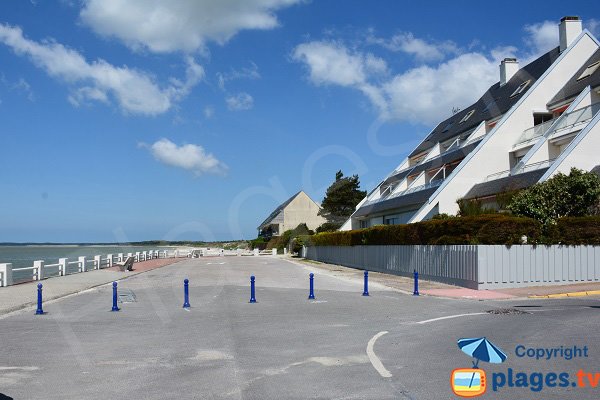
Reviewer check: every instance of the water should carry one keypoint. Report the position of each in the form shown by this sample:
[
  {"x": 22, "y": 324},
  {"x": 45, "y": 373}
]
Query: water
[{"x": 24, "y": 256}]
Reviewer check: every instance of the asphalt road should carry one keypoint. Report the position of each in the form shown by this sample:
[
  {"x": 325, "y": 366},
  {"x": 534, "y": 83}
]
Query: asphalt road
[{"x": 341, "y": 346}]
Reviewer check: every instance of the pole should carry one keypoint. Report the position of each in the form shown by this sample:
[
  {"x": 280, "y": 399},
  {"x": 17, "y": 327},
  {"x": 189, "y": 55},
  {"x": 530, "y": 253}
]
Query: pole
[
  {"x": 39, "y": 310},
  {"x": 311, "y": 294},
  {"x": 186, "y": 293},
  {"x": 416, "y": 291},
  {"x": 115, "y": 307},
  {"x": 366, "y": 290},
  {"x": 252, "y": 291}
]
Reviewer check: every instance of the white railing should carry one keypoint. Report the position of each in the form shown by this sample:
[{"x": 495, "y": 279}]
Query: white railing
[
  {"x": 534, "y": 133},
  {"x": 526, "y": 168},
  {"x": 40, "y": 269}
]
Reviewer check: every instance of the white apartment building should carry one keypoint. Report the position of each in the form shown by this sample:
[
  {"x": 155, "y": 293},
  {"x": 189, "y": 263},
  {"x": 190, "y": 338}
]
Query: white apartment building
[{"x": 536, "y": 121}]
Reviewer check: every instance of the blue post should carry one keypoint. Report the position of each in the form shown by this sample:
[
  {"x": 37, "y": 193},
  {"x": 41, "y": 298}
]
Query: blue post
[
  {"x": 366, "y": 291},
  {"x": 39, "y": 310},
  {"x": 186, "y": 293},
  {"x": 252, "y": 293},
  {"x": 311, "y": 294},
  {"x": 416, "y": 291},
  {"x": 115, "y": 307}
]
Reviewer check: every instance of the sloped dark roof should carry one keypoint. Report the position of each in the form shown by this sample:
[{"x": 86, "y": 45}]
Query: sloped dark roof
[
  {"x": 509, "y": 183},
  {"x": 573, "y": 87},
  {"x": 276, "y": 212},
  {"x": 596, "y": 170},
  {"x": 411, "y": 199},
  {"x": 495, "y": 102},
  {"x": 437, "y": 162}
]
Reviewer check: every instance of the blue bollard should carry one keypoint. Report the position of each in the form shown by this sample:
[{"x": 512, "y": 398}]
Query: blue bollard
[
  {"x": 366, "y": 291},
  {"x": 115, "y": 307},
  {"x": 252, "y": 292},
  {"x": 186, "y": 293},
  {"x": 39, "y": 310},
  {"x": 416, "y": 291},
  {"x": 311, "y": 294}
]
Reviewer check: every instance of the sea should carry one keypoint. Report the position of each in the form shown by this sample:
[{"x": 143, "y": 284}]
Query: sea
[{"x": 24, "y": 256}]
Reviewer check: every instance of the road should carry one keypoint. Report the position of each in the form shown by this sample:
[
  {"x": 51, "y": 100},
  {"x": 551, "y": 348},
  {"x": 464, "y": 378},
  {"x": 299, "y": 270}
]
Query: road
[{"x": 342, "y": 345}]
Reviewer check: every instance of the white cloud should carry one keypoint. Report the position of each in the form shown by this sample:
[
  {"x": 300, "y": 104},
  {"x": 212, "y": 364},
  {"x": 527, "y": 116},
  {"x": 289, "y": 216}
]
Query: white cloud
[
  {"x": 428, "y": 94},
  {"x": 419, "y": 48},
  {"x": 239, "y": 102},
  {"x": 250, "y": 72},
  {"x": 135, "y": 91},
  {"x": 190, "y": 157},
  {"x": 209, "y": 112},
  {"x": 331, "y": 63},
  {"x": 542, "y": 36},
  {"x": 421, "y": 95},
  {"x": 23, "y": 86},
  {"x": 182, "y": 25}
]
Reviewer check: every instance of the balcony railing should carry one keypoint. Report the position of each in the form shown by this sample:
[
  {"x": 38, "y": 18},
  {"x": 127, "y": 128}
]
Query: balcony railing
[
  {"x": 576, "y": 118},
  {"x": 566, "y": 121},
  {"x": 429, "y": 185},
  {"x": 535, "y": 132},
  {"x": 526, "y": 168}
]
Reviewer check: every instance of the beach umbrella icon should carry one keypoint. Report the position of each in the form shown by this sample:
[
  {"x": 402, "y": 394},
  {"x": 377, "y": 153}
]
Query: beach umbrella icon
[{"x": 482, "y": 350}]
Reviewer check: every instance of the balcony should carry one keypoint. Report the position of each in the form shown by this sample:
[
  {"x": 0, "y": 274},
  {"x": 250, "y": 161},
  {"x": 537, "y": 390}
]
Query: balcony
[
  {"x": 566, "y": 123},
  {"x": 433, "y": 183}
]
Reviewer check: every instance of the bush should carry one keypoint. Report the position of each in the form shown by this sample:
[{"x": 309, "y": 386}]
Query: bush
[
  {"x": 329, "y": 227},
  {"x": 483, "y": 229},
  {"x": 576, "y": 230}
]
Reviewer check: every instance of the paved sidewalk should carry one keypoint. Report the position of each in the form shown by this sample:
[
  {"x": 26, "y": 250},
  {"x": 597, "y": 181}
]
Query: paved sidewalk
[
  {"x": 23, "y": 295},
  {"x": 405, "y": 285}
]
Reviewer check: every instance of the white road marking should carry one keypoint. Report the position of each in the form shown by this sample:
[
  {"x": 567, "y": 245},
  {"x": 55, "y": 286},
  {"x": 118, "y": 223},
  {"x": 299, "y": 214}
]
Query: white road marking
[
  {"x": 19, "y": 368},
  {"x": 449, "y": 317},
  {"x": 212, "y": 263},
  {"x": 373, "y": 357}
]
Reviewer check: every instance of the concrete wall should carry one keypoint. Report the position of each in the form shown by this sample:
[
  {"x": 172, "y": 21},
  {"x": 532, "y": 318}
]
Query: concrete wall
[
  {"x": 476, "y": 267},
  {"x": 301, "y": 210}
]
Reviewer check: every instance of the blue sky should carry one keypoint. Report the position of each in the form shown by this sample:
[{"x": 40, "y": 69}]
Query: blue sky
[{"x": 140, "y": 120}]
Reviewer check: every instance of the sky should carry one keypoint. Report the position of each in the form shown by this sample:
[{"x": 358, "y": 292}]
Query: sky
[{"x": 129, "y": 120}]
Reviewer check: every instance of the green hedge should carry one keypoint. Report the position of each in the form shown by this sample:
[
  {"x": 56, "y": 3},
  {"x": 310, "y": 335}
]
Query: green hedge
[
  {"x": 482, "y": 229},
  {"x": 576, "y": 230}
]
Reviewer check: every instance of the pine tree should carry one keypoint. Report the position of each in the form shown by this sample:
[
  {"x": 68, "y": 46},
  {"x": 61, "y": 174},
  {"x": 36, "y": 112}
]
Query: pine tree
[{"x": 340, "y": 200}]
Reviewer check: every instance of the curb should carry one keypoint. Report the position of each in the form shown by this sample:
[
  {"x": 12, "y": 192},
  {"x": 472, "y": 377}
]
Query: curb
[{"x": 568, "y": 294}]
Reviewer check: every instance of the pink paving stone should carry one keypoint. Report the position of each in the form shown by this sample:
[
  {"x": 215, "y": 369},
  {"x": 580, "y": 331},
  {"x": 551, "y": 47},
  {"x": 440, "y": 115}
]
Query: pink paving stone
[
  {"x": 464, "y": 293},
  {"x": 150, "y": 264}
]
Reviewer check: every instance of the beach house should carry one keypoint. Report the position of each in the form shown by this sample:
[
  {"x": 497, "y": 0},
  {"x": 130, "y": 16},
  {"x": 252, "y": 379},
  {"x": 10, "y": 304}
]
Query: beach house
[
  {"x": 298, "y": 209},
  {"x": 536, "y": 121}
]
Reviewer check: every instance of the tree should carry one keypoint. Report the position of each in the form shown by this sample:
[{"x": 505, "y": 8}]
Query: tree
[
  {"x": 572, "y": 195},
  {"x": 341, "y": 199}
]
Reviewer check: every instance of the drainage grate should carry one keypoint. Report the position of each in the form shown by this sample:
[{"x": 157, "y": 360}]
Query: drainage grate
[
  {"x": 506, "y": 311},
  {"x": 126, "y": 296}
]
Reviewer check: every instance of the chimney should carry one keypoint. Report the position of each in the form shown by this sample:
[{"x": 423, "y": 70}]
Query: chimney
[
  {"x": 508, "y": 67},
  {"x": 568, "y": 29}
]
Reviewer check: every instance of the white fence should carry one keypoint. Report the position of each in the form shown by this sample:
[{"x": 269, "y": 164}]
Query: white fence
[
  {"x": 477, "y": 267},
  {"x": 41, "y": 270}
]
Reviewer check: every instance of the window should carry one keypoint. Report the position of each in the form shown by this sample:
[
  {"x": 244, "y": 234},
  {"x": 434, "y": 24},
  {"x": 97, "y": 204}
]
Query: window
[
  {"x": 363, "y": 224},
  {"x": 589, "y": 70},
  {"x": 467, "y": 116},
  {"x": 447, "y": 128},
  {"x": 489, "y": 105},
  {"x": 521, "y": 87},
  {"x": 391, "y": 221}
]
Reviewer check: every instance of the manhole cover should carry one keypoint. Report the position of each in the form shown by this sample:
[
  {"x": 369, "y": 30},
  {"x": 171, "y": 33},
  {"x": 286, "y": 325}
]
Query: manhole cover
[
  {"x": 506, "y": 311},
  {"x": 126, "y": 296}
]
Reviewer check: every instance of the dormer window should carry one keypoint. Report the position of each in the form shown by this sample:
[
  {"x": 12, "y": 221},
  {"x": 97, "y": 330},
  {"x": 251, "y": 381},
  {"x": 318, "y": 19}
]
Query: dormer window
[
  {"x": 521, "y": 88},
  {"x": 447, "y": 128},
  {"x": 467, "y": 116},
  {"x": 590, "y": 69},
  {"x": 488, "y": 105}
]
